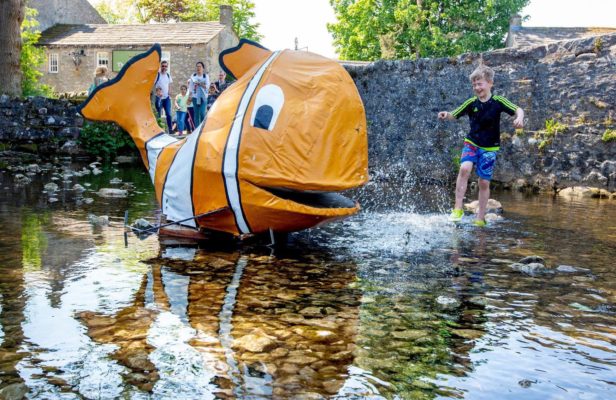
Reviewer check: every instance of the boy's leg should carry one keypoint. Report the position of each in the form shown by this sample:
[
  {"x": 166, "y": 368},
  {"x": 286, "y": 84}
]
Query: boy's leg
[
  {"x": 462, "y": 182},
  {"x": 469, "y": 157},
  {"x": 484, "y": 195},
  {"x": 485, "y": 169}
]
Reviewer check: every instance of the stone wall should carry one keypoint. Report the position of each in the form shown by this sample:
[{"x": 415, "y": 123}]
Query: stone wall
[
  {"x": 45, "y": 122},
  {"x": 571, "y": 83}
]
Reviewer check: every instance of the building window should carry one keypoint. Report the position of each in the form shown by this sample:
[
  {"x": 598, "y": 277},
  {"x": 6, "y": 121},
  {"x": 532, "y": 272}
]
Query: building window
[
  {"x": 102, "y": 59},
  {"x": 166, "y": 56},
  {"x": 54, "y": 65}
]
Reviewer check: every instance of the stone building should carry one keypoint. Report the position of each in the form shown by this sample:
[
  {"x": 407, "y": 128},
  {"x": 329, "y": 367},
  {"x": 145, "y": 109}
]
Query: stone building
[
  {"x": 74, "y": 51},
  {"x": 527, "y": 36},
  {"x": 51, "y": 12}
]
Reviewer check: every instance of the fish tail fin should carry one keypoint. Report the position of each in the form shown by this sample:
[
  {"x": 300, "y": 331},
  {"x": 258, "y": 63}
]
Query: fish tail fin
[{"x": 125, "y": 99}]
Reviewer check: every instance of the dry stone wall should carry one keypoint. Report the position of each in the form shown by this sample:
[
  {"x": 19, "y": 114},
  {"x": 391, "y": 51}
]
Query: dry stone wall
[
  {"x": 45, "y": 122},
  {"x": 571, "y": 85}
]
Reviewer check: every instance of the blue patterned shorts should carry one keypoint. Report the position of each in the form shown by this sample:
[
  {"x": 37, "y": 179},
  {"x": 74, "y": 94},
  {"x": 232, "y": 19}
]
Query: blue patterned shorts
[{"x": 484, "y": 160}]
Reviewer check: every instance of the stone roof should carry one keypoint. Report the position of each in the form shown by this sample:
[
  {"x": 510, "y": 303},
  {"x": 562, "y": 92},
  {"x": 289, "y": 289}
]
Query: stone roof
[
  {"x": 98, "y": 35},
  {"x": 51, "y": 12},
  {"x": 533, "y": 36}
]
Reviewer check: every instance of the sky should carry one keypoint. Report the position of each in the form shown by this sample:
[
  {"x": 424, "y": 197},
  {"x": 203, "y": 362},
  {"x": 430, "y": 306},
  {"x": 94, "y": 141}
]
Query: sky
[{"x": 283, "y": 20}]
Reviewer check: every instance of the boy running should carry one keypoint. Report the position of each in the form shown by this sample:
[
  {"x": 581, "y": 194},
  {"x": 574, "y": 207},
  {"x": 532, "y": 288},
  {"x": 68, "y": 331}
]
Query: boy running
[{"x": 483, "y": 140}]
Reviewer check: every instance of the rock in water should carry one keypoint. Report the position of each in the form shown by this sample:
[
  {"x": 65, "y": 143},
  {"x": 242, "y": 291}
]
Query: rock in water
[
  {"x": 141, "y": 224},
  {"x": 532, "y": 259},
  {"x": 21, "y": 179},
  {"x": 493, "y": 206},
  {"x": 531, "y": 269},
  {"x": 102, "y": 220},
  {"x": 51, "y": 187},
  {"x": 111, "y": 192}
]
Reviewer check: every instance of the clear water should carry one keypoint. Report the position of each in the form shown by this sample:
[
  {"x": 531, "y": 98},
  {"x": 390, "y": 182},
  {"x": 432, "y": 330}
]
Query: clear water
[{"x": 392, "y": 303}]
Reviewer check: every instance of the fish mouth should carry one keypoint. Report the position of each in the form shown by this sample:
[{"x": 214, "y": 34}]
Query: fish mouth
[{"x": 312, "y": 198}]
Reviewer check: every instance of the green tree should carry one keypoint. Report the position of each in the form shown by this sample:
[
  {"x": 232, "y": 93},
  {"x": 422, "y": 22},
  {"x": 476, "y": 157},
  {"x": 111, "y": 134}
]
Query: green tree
[
  {"x": 403, "y": 29},
  {"x": 32, "y": 57},
  {"x": 161, "y": 10},
  {"x": 199, "y": 10}
]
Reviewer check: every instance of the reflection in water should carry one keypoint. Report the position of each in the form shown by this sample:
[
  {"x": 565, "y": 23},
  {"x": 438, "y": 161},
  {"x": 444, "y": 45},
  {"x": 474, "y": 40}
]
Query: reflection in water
[
  {"x": 383, "y": 305},
  {"x": 262, "y": 328}
]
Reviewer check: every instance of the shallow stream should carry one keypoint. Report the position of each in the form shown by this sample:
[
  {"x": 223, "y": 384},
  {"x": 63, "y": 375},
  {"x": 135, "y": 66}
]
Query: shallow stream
[{"x": 392, "y": 303}]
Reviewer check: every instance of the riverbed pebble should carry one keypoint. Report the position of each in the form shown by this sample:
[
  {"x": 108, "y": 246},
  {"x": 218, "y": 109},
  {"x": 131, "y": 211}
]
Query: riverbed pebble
[
  {"x": 98, "y": 220},
  {"x": 111, "y": 192},
  {"x": 50, "y": 187},
  {"x": 21, "y": 179}
]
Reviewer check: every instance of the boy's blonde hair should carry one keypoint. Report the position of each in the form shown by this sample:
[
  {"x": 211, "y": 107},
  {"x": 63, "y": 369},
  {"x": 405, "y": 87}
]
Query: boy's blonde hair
[{"x": 482, "y": 71}]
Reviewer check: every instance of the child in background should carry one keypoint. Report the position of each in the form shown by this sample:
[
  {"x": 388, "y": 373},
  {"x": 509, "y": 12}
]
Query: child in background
[
  {"x": 212, "y": 96},
  {"x": 181, "y": 103},
  {"x": 158, "y": 98}
]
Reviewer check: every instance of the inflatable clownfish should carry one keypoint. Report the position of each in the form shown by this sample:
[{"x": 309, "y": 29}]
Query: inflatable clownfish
[{"x": 273, "y": 152}]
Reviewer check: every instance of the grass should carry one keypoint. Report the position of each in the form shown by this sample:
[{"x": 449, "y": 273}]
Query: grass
[
  {"x": 553, "y": 127},
  {"x": 609, "y": 135}
]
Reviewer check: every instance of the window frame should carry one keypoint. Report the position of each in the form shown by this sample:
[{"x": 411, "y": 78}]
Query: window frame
[
  {"x": 50, "y": 59},
  {"x": 99, "y": 58}
]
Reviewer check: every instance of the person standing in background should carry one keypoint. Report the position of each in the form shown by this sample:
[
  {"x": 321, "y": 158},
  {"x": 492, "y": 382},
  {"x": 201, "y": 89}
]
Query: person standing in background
[
  {"x": 163, "y": 81},
  {"x": 221, "y": 83},
  {"x": 199, "y": 84},
  {"x": 181, "y": 103}
]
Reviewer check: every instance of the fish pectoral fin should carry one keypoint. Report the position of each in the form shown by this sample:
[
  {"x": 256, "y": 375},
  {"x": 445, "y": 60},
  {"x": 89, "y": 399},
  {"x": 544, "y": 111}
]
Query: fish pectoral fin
[{"x": 236, "y": 61}]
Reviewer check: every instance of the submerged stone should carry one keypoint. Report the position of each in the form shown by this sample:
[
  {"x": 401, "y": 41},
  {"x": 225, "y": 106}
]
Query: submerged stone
[
  {"x": 532, "y": 259},
  {"x": 470, "y": 334},
  {"x": 256, "y": 342},
  {"x": 111, "y": 192},
  {"x": 51, "y": 187},
  {"x": 410, "y": 334},
  {"x": 531, "y": 269}
]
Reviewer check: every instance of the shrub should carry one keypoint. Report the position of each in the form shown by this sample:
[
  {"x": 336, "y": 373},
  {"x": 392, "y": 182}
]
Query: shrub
[
  {"x": 104, "y": 139},
  {"x": 32, "y": 57}
]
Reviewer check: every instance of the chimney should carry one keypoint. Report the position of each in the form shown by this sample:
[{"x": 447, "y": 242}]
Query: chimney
[
  {"x": 515, "y": 25},
  {"x": 226, "y": 15},
  {"x": 515, "y": 22}
]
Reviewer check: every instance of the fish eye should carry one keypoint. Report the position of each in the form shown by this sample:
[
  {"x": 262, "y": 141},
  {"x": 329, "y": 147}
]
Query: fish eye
[{"x": 268, "y": 104}]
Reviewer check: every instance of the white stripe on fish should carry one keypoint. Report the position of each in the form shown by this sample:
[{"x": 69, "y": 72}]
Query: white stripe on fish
[
  {"x": 230, "y": 161},
  {"x": 153, "y": 147}
]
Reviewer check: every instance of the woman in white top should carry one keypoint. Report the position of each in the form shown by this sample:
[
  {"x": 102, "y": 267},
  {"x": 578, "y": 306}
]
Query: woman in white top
[{"x": 199, "y": 84}]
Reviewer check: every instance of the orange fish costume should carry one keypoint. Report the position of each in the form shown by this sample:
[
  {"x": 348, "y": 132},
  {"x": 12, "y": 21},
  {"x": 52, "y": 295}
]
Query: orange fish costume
[{"x": 273, "y": 151}]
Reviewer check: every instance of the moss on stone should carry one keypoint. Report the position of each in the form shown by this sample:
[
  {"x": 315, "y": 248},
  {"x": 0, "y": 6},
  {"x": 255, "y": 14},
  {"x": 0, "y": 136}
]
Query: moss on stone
[{"x": 609, "y": 135}]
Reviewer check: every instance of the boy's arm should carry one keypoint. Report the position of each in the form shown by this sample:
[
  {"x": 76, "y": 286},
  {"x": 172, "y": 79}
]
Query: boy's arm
[
  {"x": 446, "y": 115},
  {"x": 458, "y": 112},
  {"x": 512, "y": 109},
  {"x": 518, "y": 122}
]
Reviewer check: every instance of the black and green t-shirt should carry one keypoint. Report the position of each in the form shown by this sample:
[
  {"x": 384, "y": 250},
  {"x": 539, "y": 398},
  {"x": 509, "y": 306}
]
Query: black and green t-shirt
[{"x": 484, "y": 118}]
